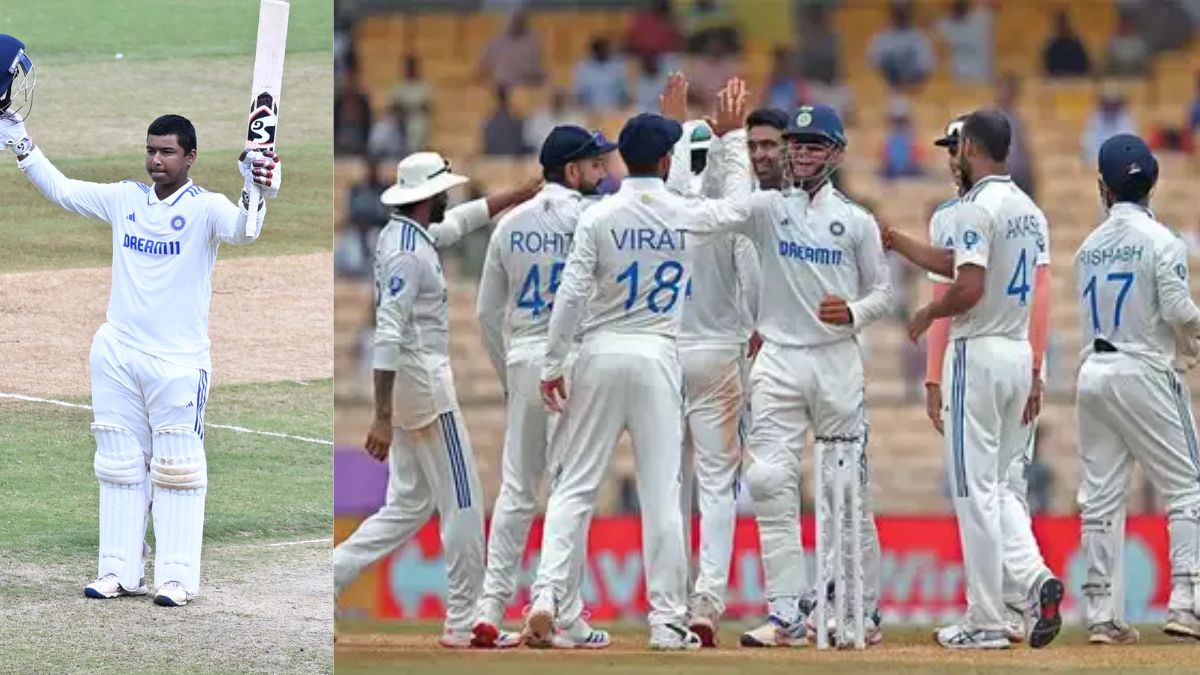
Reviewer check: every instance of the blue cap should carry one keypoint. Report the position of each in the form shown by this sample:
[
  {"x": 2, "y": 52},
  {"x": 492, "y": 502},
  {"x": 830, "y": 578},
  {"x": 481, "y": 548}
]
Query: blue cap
[
  {"x": 819, "y": 121},
  {"x": 1127, "y": 165},
  {"x": 647, "y": 137},
  {"x": 569, "y": 143}
]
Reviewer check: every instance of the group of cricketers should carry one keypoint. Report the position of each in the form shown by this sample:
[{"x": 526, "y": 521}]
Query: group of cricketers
[{"x": 710, "y": 306}]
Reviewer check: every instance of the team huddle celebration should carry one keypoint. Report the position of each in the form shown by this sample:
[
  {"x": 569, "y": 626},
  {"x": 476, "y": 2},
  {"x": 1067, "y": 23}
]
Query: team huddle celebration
[{"x": 711, "y": 310}]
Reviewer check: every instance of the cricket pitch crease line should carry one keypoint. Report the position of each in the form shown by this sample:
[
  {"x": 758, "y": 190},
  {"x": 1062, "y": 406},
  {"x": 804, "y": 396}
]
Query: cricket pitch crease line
[
  {"x": 244, "y": 430},
  {"x": 299, "y": 543}
]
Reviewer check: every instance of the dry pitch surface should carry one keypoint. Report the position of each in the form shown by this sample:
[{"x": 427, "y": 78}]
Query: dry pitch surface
[{"x": 412, "y": 649}]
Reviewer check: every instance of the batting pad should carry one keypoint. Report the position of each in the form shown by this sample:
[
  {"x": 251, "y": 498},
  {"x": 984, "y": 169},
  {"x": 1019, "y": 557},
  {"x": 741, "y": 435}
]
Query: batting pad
[
  {"x": 121, "y": 468},
  {"x": 180, "y": 478}
]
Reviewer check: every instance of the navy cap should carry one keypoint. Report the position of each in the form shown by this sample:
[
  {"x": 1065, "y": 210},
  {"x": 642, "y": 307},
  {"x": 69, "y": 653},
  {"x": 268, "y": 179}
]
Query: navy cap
[
  {"x": 819, "y": 121},
  {"x": 647, "y": 137},
  {"x": 1127, "y": 165},
  {"x": 569, "y": 143}
]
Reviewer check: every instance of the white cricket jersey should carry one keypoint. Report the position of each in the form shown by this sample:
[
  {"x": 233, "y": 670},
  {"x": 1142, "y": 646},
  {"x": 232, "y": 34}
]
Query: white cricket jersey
[
  {"x": 721, "y": 298},
  {"x": 809, "y": 249},
  {"x": 999, "y": 228},
  {"x": 1131, "y": 274},
  {"x": 163, "y": 256},
  {"x": 526, "y": 256},
  {"x": 411, "y": 326},
  {"x": 941, "y": 233}
]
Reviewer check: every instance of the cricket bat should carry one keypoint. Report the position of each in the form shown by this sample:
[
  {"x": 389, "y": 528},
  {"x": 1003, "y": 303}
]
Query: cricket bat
[{"x": 266, "y": 87}]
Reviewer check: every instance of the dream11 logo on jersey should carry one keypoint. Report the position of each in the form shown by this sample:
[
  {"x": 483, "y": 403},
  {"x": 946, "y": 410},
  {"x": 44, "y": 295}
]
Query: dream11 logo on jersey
[{"x": 264, "y": 117}]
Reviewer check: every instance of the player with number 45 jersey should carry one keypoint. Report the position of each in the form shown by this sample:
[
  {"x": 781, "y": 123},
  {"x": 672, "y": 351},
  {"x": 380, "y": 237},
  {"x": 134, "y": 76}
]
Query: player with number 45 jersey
[
  {"x": 627, "y": 271},
  {"x": 1139, "y": 323},
  {"x": 525, "y": 259}
]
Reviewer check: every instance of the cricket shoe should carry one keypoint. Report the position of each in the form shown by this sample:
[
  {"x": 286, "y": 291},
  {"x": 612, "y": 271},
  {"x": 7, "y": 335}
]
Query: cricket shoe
[
  {"x": 487, "y": 635},
  {"x": 777, "y": 632},
  {"x": 172, "y": 594},
  {"x": 1113, "y": 633},
  {"x": 959, "y": 637},
  {"x": 1014, "y": 623},
  {"x": 579, "y": 635},
  {"x": 702, "y": 619},
  {"x": 108, "y": 586},
  {"x": 1182, "y": 624},
  {"x": 456, "y": 639},
  {"x": 1048, "y": 620},
  {"x": 539, "y": 621},
  {"x": 672, "y": 637}
]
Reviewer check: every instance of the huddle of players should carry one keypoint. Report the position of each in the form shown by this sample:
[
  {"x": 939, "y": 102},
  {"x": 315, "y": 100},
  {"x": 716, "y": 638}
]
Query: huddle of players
[{"x": 629, "y": 312}]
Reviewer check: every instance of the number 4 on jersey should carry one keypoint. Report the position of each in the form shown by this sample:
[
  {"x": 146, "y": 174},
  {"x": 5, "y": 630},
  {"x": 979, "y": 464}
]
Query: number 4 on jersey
[{"x": 531, "y": 289}]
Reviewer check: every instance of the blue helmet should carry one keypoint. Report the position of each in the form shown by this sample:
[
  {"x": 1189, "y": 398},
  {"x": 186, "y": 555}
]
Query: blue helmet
[
  {"x": 819, "y": 121},
  {"x": 16, "y": 73}
]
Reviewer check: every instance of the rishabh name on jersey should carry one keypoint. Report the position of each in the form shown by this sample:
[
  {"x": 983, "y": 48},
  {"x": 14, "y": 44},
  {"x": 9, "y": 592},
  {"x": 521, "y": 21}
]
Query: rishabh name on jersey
[
  {"x": 812, "y": 248},
  {"x": 415, "y": 342},
  {"x": 1121, "y": 273},
  {"x": 532, "y": 241},
  {"x": 162, "y": 259},
  {"x": 941, "y": 232},
  {"x": 998, "y": 227}
]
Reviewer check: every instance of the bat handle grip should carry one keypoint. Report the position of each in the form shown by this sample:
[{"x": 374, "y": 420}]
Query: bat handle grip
[{"x": 255, "y": 194}]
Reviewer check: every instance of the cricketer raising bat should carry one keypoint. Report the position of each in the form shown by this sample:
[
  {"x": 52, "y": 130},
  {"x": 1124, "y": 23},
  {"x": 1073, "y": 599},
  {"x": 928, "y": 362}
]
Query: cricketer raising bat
[{"x": 266, "y": 87}]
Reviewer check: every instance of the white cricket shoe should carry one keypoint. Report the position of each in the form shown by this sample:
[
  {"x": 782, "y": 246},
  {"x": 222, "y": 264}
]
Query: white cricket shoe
[
  {"x": 456, "y": 639},
  {"x": 539, "y": 622},
  {"x": 1014, "y": 623},
  {"x": 702, "y": 619},
  {"x": 1113, "y": 633},
  {"x": 487, "y": 635},
  {"x": 959, "y": 637},
  {"x": 579, "y": 635},
  {"x": 107, "y": 587},
  {"x": 1182, "y": 624},
  {"x": 172, "y": 594},
  {"x": 673, "y": 637},
  {"x": 777, "y": 633}
]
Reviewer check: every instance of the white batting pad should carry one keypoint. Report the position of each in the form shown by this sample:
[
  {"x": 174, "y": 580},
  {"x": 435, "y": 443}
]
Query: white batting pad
[
  {"x": 121, "y": 468},
  {"x": 180, "y": 478}
]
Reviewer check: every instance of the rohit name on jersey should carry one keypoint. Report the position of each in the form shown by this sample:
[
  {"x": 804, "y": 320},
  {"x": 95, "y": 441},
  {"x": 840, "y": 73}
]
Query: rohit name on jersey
[
  {"x": 534, "y": 241},
  {"x": 1113, "y": 254},
  {"x": 151, "y": 246}
]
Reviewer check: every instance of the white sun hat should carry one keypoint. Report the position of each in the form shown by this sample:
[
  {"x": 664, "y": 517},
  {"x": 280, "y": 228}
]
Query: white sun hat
[{"x": 420, "y": 176}]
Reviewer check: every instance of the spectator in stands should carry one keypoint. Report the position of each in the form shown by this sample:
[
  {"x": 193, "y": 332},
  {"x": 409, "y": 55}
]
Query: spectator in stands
[
  {"x": 901, "y": 153},
  {"x": 1109, "y": 119},
  {"x": 709, "y": 72},
  {"x": 366, "y": 215},
  {"x": 902, "y": 52},
  {"x": 653, "y": 31},
  {"x": 599, "y": 79},
  {"x": 351, "y": 116},
  {"x": 343, "y": 50},
  {"x": 820, "y": 47},
  {"x": 558, "y": 113},
  {"x": 1020, "y": 161},
  {"x": 1127, "y": 54},
  {"x": 782, "y": 82},
  {"x": 967, "y": 32},
  {"x": 504, "y": 132},
  {"x": 413, "y": 94},
  {"x": 650, "y": 82},
  {"x": 1164, "y": 24},
  {"x": 387, "y": 140},
  {"x": 1193, "y": 124},
  {"x": 707, "y": 19},
  {"x": 514, "y": 57},
  {"x": 1064, "y": 54}
]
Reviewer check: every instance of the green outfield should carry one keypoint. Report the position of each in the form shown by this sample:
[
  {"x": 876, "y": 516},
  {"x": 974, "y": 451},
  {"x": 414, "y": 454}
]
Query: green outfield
[
  {"x": 91, "y": 111},
  {"x": 411, "y": 648}
]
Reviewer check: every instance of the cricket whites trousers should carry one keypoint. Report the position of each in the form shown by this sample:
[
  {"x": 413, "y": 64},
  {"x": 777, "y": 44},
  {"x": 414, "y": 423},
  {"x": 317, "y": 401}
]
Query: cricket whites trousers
[{"x": 621, "y": 383}]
